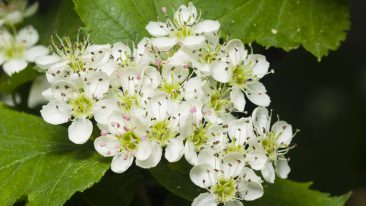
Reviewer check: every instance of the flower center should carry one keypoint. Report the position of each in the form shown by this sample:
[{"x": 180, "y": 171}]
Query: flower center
[
  {"x": 173, "y": 89},
  {"x": 182, "y": 31},
  {"x": 82, "y": 106},
  {"x": 234, "y": 147},
  {"x": 209, "y": 54},
  {"x": 127, "y": 102},
  {"x": 217, "y": 102},
  {"x": 15, "y": 50},
  {"x": 224, "y": 190},
  {"x": 240, "y": 75},
  {"x": 269, "y": 145},
  {"x": 160, "y": 132},
  {"x": 129, "y": 140},
  {"x": 199, "y": 137}
]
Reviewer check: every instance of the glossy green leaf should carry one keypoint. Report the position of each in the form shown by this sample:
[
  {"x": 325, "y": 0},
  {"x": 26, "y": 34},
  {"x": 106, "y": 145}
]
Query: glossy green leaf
[
  {"x": 174, "y": 177},
  {"x": 39, "y": 164},
  {"x": 318, "y": 26}
]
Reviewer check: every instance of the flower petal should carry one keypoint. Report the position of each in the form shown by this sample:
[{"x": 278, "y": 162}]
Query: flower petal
[
  {"x": 103, "y": 109},
  {"x": 237, "y": 52},
  {"x": 237, "y": 98},
  {"x": 282, "y": 167},
  {"x": 107, "y": 145},
  {"x": 203, "y": 175},
  {"x": 268, "y": 172},
  {"x": 205, "y": 199},
  {"x": 261, "y": 120},
  {"x": 154, "y": 158},
  {"x": 190, "y": 153},
  {"x": 220, "y": 72},
  {"x": 174, "y": 150},
  {"x": 80, "y": 130},
  {"x": 257, "y": 93},
  {"x": 257, "y": 159},
  {"x": 233, "y": 164},
  {"x": 250, "y": 191},
  {"x": 14, "y": 66},
  {"x": 260, "y": 65},
  {"x": 28, "y": 36},
  {"x": 207, "y": 26},
  {"x": 143, "y": 150},
  {"x": 34, "y": 52},
  {"x": 157, "y": 29},
  {"x": 56, "y": 112},
  {"x": 121, "y": 162},
  {"x": 193, "y": 42},
  {"x": 164, "y": 43},
  {"x": 284, "y": 130},
  {"x": 234, "y": 203}
]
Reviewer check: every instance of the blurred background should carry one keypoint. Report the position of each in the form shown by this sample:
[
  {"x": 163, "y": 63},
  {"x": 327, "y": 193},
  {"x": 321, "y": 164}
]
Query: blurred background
[{"x": 327, "y": 101}]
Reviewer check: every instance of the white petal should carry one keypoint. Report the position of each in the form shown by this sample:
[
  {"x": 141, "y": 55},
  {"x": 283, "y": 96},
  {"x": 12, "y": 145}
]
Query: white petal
[
  {"x": 284, "y": 130},
  {"x": 154, "y": 158},
  {"x": 250, "y": 191},
  {"x": 268, "y": 172},
  {"x": 234, "y": 203},
  {"x": 28, "y": 35},
  {"x": 186, "y": 15},
  {"x": 257, "y": 93},
  {"x": 174, "y": 150},
  {"x": 97, "y": 84},
  {"x": 233, "y": 164},
  {"x": 237, "y": 97},
  {"x": 80, "y": 131},
  {"x": 250, "y": 176},
  {"x": 143, "y": 150},
  {"x": 120, "y": 50},
  {"x": 14, "y": 66},
  {"x": 45, "y": 61},
  {"x": 261, "y": 65},
  {"x": 190, "y": 153},
  {"x": 157, "y": 29},
  {"x": 121, "y": 162},
  {"x": 207, "y": 156},
  {"x": 164, "y": 43},
  {"x": 239, "y": 130},
  {"x": 261, "y": 120},
  {"x": 193, "y": 42},
  {"x": 237, "y": 52},
  {"x": 107, "y": 145},
  {"x": 205, "y": 199},
  {"x": 31, "y": 9},
  {"x": 203, "y": 175},
  {"x": 221, "y": 72},
  {"x": 257, "y": 159},
  {"x": 207, "y": 26},
  {"x": 103, "y": 109},
  {"x": 35, "y": 95},
  {"x": 282, "y": 167},
  {"x": 56, "y": 112},
  {"x": 2, "y": 58},
  {"x": 13, "y": 17},
  {"x": 36, "y": 51},
  {"x": 181, "y": 57}
]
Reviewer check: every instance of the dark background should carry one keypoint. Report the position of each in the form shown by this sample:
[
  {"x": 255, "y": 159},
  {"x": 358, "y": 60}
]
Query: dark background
[{"x": 327, "y": 101}]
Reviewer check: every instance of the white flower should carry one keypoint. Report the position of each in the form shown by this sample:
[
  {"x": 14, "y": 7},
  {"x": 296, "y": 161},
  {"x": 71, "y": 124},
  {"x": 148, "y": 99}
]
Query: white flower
[
  {"x": 13, "y": 12},
  {"x": 227, "y": 181},
  {"x": 125, "y": 141},
  {"x": 19, "y": 49},
  {"x": 185, "y": 29},
  {"x": 242, "y": 72},
  {"x": 274, "y": 141},
  {"x": 75, "y": 101},
  {"x": 72, "y": 60}
]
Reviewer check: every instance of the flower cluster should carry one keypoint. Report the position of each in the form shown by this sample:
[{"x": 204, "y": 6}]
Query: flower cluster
[
  {"x": 177, "y": 94},
  {"x": 17, "y": 48}
]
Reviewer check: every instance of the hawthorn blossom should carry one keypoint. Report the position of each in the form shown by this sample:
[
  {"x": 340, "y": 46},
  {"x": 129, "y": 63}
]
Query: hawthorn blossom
[
  {"x": 13, "y": 12},
  {"x": 226, "y": 180},
  {"x": 185, "y": 29},
  {"x": 274, "y": 141},
  {"x": 242, "y": 72},
  {"x": 18, "y": 50}
]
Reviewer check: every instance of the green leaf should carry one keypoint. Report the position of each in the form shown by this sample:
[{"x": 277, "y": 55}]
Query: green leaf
[
  {"x": 39, "y": 164},
  {"x": 9, "y": 84},
  {"x": 291, "y": 193},
  {"x": 174, "y": 177},
  {"x": 318, "y": 26},
  {"x": 113, "y": 189},
  {"x": 55, "y": 17}
]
